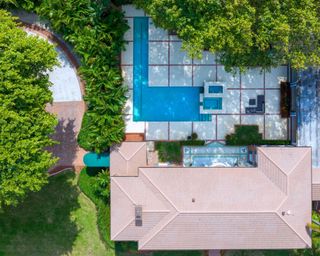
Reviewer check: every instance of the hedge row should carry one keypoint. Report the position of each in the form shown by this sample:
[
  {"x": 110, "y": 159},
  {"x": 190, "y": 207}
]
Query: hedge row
[
  {"x": 87, "y": 180},
  {"x": 171, "y": 151},
  {"x": 249, "y": 135},
  {"x": 95, "y": 29}
]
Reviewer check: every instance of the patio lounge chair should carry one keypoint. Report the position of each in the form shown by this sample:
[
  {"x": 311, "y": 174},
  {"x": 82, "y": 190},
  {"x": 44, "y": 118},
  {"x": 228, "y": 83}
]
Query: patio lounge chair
[
  {"x": 259, "y": 109},
  {"x": 260, "y": 104}
]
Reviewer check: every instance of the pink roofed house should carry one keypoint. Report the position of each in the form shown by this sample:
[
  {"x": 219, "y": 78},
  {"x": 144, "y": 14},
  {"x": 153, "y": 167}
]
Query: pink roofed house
[{"x": 180, "y": 208}]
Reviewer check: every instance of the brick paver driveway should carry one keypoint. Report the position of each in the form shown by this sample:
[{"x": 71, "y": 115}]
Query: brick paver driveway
[
  {"x": 68, "y": 105},
  {"x": 70, "y": 116}
]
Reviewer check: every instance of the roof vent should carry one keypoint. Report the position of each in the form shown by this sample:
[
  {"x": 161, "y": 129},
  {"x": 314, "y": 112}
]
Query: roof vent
[
  {"x": 138, "y": 216},
  {"x": 288, "y": 213}
]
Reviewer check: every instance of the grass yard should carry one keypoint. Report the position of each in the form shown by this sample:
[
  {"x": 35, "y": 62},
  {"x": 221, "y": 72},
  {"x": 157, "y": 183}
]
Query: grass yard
[
  {"x": 58, "y": 220},
  {"x": 87, "y": 184}
]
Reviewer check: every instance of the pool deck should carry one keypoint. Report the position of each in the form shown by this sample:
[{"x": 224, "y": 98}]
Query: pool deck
[{"x": 169, "y": 66}]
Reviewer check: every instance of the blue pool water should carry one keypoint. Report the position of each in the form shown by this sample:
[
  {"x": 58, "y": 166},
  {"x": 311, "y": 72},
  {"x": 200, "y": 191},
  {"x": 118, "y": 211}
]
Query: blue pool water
[
  {"x": 212, "y": 103},
  {"x": 216, "y": 89},
  {"x": 159, "y": 103}
]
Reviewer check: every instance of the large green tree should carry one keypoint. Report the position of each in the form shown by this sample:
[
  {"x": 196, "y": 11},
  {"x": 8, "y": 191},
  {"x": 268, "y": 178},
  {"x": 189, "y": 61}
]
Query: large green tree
[
  {"x": 244, "y": 33},
  {"x": 25, "y": 126},
  {"x": 95, "y": 29}
]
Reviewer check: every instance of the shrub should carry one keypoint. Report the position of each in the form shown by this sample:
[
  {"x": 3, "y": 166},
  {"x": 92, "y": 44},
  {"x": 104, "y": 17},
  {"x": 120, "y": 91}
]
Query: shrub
[
  {"x": 193, "y": 136},
  {"x": 171, "y": 151},
  {"x": 28, "y": 5},
  {"x": 102, "y": 185},
  {"x": 249, "y": 135},
  {"x": 244, "y": 135},
  {"x": 87, "y": 181},
  {"x": 95, "y": 29},
  {"x": 121, "y": 2},
  {"x": 275, "y": 142}
]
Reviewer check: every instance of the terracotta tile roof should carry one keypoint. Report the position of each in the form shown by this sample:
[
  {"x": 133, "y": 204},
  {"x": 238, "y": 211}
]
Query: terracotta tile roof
[
  {"x": 127, "y": 158},
  {"x": 266, "y": 207}
]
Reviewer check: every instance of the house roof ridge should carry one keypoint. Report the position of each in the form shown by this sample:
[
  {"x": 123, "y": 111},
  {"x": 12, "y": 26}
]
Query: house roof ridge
[
  {"x": 261, "y": 150},
  {"x": 157, "y": 211},
  {"x": 288, "y": 180},
  {"x": 133, "y": 154},
  {"x": 292, "y": 229},
  {"x": 130, "y": 199},
  {"x": 159, "y": 190},
  {"x": 121, "y": 230},
  {"x": 155, "y": 230},
  {"x": 299, "y": 162},
  {"x": 232, "y": 212},
  {"x": 123, "y": 190},
  {"x": 144, "y": 243},
  {"x": 284, "y": 191},
  {"x": 173, "y": 213}
]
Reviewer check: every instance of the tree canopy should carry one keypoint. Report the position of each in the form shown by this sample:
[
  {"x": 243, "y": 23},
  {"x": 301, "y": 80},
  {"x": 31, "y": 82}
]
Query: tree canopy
[
  {"x": 244, "y": 33},
  {"x": 95, "y": 29},
  {"x": 25, "y": 126}
]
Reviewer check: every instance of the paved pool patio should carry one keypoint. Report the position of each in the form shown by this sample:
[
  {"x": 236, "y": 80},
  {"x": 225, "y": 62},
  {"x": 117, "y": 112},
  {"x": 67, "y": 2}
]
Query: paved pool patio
[{"x": 169, "y": 66}]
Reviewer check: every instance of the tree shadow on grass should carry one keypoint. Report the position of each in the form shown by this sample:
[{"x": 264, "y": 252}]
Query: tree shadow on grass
[{"x": 41, "y": 225}]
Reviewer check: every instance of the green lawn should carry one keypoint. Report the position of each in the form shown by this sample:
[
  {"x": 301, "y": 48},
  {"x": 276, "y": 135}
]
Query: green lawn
[{"x": 58, "y": 220}]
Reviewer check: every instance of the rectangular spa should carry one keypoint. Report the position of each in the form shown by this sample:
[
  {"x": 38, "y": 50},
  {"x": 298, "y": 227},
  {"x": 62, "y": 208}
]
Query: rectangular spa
[
  {"x": 212, "y": 103},
  {"x": 215, "y": 89}
]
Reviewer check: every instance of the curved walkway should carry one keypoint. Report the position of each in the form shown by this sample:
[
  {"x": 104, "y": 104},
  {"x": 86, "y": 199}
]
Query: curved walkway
[{"x": 69, "y": 113}]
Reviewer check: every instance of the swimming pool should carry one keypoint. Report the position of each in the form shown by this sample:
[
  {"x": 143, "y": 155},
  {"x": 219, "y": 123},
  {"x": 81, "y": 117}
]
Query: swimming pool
[
  {"x": 212, "y": 103},
  {"x": 159, "y": 103}
]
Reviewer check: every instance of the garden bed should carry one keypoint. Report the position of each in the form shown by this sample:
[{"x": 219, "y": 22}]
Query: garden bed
[
  {"x": 171, "y": 151},
  {"x": 249, "y": 135}
]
